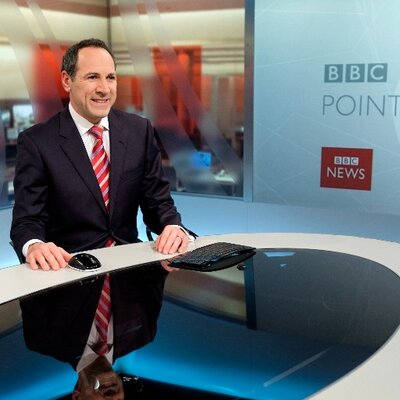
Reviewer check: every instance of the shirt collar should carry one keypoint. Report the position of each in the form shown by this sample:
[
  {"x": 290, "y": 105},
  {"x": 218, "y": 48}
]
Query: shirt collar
[{"x": 83, "y": 124}]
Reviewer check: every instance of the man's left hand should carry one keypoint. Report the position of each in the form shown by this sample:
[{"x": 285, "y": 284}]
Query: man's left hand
[{"x": 172, "y": 240}]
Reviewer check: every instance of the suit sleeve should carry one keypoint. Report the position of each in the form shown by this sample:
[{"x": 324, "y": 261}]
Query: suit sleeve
[
  {"x": 156, "y": 202},
  {"x": 30, "y": 214}
]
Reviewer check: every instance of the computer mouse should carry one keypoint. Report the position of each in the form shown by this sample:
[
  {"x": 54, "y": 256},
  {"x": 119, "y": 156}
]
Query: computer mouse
[{"x": 84, "y": 262}]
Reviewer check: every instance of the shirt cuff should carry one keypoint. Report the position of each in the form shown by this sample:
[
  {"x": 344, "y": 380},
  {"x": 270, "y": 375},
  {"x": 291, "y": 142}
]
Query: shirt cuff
[
  {"x": 27, "y": 244},
  {"x": 190, "y": 237}
]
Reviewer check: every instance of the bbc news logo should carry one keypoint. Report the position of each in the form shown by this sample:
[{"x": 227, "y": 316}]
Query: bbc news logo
[
  {"x": 346, "y": 168},
  {"x": 354, "y": 73}
]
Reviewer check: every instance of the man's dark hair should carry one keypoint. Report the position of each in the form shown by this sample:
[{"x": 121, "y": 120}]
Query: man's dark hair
[{"x": 70, "y": 58}]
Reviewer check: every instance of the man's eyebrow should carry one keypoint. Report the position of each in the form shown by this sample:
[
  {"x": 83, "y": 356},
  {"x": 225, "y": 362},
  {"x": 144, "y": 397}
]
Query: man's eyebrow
[
  {"x": 91, "y": 73},
  {"x": 98, "y": 74}
]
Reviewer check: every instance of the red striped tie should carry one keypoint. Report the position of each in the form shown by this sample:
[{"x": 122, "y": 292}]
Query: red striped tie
[
  {"x": 101, "y": 167},
  {"x": 100, "y": 163},
  {"x": 102, "y": 317}
]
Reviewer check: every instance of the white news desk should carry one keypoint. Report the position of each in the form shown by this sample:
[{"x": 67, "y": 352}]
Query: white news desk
[{"x": 376, "y": 378}]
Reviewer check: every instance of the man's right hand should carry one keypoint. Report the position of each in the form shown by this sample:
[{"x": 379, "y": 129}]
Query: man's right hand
[{"x": 47, "y": 256}]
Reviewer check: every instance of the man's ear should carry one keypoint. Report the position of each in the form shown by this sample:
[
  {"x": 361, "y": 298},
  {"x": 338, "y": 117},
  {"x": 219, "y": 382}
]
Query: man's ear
[{"x": 66, "y": 81}]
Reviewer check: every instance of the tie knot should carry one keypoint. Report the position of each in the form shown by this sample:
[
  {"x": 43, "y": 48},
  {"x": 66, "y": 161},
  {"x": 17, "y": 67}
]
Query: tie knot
[{"x": 97, "y": 131}]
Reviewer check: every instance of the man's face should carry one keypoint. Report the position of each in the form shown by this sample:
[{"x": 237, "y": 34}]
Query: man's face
[{"x": 93, "y": 90}]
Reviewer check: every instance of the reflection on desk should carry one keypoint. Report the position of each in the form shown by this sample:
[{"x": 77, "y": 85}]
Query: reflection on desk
[
  {"x": 316, "y": 294},
  {"x": 318, "y": 314}
]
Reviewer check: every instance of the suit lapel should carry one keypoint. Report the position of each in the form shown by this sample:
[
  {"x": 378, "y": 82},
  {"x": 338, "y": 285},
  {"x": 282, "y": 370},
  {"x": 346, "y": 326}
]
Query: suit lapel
[
  {"x": 118, "y": 144},
  {"x": 73, "y": 147}
]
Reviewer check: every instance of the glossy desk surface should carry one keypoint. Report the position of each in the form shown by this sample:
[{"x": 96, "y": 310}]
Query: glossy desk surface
[{"x": 324, "y": 289}]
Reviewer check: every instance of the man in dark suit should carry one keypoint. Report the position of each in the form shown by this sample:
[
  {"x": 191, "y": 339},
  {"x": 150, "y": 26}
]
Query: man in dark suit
[{"x": 59, "y": 209}]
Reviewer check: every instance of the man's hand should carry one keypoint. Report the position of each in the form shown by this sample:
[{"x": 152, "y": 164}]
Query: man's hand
[
  {"x": 165, "y": 264},
  {"x": 172, "y": 240},
  {"x": 47, "y": 256}
]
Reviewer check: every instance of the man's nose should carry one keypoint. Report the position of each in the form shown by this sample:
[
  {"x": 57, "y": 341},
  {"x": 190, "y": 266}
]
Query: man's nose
[{"x": 103, "y": 86}]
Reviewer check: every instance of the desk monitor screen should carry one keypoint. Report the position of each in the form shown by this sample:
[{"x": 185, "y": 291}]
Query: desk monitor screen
[
  {"x": 5, "y": 117},
  {"x": 202, "y": 159},
  {"x": 23, "y": 116},
  {"x": 12, "y": 133}
]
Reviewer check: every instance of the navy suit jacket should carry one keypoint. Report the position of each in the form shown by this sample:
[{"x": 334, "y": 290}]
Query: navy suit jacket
[
  {"x": 57, "y": 196},
  {"x": 57, "y": 199}
]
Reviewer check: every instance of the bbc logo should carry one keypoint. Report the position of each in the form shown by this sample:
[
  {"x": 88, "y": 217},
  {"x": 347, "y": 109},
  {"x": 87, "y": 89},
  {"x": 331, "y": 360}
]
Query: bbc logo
[
  {"x": 375, "y": 72},
  {"x": 346, "y": 168},
  {"x": 339, "y": 160}
]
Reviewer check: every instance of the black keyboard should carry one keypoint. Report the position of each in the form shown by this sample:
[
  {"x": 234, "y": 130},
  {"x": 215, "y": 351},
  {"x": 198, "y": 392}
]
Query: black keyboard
[{"x": 213, "y": 257}]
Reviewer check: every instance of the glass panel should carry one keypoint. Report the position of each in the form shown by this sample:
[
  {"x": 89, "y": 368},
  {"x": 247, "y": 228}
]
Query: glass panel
[
  {"x": 182, "y": 67},
  {"x": 33, "y": 37}
]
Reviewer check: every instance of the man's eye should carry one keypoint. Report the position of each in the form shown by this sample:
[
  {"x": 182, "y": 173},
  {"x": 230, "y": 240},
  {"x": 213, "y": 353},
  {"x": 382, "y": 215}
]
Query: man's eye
[
  {"x": 112, "y": 77},
  {"x": 92, "y": 77}
]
